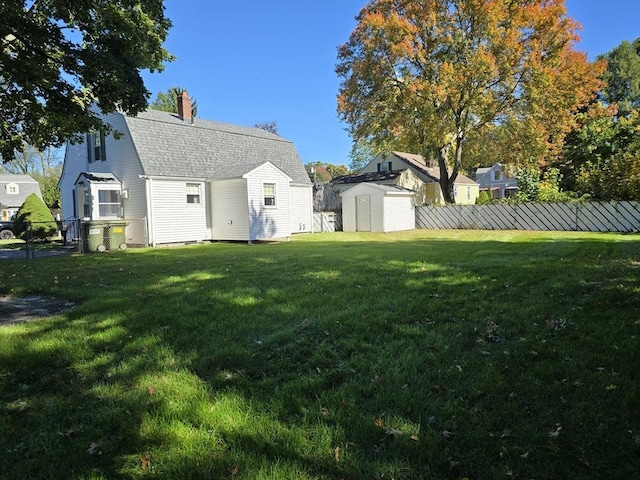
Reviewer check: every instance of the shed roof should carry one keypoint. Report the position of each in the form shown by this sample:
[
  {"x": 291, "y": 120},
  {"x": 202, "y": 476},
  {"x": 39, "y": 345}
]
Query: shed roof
[
  {"x": 367, "y": 177},
  {"x": 385, "y": 189},
  {"x": 170, "y": 146}
]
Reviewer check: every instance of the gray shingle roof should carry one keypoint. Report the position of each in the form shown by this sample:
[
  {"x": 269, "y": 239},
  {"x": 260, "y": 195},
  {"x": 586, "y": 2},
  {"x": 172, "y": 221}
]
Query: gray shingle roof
[
  {"x": 26, "y": 184},
  {"x": 168, "y": 146}
]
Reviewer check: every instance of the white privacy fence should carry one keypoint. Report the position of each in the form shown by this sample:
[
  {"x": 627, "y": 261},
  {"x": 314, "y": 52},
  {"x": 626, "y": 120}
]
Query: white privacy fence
[
  {"x": 327, "y": 222},
  {"x": 579, "y": 216}
]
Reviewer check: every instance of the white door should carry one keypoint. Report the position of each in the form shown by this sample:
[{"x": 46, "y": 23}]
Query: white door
[{"x": 363, "y": 213}]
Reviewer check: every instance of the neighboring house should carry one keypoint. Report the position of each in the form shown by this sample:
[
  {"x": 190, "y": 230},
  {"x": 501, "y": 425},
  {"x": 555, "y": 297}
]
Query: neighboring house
[
  {"x": 499, "y": 181},
  {"x": 13, "y": 191},
  {"x": 182, "y": 179},
  {"x": 400, "y": 178},
  {"x": 466, "y": 191}
]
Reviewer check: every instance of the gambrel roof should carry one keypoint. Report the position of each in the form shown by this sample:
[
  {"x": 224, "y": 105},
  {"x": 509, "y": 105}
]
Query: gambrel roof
[{"x": 172, "y": 147}]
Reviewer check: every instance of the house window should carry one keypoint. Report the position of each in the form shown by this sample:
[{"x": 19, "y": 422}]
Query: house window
[
  {"x": 469, "y": 193},
  {"x": 13, "y": 189},
  {"x": 269, "y": 192},
  {"x": 497, "y": 175},
  {"x": 96, "y": 147},
  {"x": 109, "y": 203},
  {"x": 193, "y": 193}
]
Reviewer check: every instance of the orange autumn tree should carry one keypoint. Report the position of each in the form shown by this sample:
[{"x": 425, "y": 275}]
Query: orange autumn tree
[{"x": 425, "y": 74}]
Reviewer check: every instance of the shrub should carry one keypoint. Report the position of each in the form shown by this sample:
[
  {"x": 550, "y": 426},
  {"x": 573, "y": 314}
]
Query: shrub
[
  {"x": 34, "y": 212},
  {"x": 484, "y": 198}
]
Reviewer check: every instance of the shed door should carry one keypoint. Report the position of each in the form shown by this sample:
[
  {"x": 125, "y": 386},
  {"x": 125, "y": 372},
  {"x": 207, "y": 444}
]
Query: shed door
[{"x": 363, "y": 213}]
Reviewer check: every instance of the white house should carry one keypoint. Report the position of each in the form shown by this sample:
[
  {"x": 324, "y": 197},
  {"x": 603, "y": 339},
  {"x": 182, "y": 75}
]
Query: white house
[
  {"x": 174, "y": 178},
  {"x": 466, "y": 191},
  {"x": 14, "y": 189},
  {"x": 370, "y": 207},
  {"x": 498, "y": 180}
]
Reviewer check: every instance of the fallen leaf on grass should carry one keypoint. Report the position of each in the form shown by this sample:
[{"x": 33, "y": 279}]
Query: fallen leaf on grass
[
  {"x": 378, "y": 422},
  {"x": 93, "y": 448},
  {"x": 234, "y": 470},
  {"x": 336, "y": 454},
  {"x": 555, "y": 433},
  {"x": 151, "y": 390},
  {"x": 415, "y": 438},
  {"x": 446, "y": 434},
  {"x": 145, "y": 462}
]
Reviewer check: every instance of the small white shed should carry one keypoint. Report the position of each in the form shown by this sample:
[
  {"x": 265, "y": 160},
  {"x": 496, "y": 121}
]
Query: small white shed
[{"x": 369, "y": 207}]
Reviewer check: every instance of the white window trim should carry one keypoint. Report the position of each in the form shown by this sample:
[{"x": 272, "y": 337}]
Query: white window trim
[
  {"x": 275, "y": 195},
  {"x": 197, "y": 204},
  {"x": 119, "y": 215}
]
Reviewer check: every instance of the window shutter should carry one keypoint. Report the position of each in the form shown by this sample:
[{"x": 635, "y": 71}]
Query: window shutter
[
  {"x": 390, "y": 166},
  {"x": 379, "y": 167},
  {"x": 89, "y": 149},
  {"x": 103, "y": 149}
]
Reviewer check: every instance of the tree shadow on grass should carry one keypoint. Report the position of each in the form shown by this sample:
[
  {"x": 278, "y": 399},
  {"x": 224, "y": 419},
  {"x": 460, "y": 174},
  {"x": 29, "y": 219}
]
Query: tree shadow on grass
[{"x": 222, "y": 369}]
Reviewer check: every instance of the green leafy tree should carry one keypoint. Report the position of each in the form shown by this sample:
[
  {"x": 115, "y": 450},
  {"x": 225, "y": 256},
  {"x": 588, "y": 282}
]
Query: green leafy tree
[
  {"x": 61, "y": 59},
  {"x": 549, "y": 188},
  {"x": 35, "y": 215},
  {"x": 609, "y": 154},
  {"x": 168, "y": 101},
  {"x": 622, "y": 77},
  {"x": 428, "y": 73},
  {"x": 268, "y": 126},
  {"x": 484, "y": 198},
  {"x": 528, "y": 183},
  {"x": 601, "y": 157}
]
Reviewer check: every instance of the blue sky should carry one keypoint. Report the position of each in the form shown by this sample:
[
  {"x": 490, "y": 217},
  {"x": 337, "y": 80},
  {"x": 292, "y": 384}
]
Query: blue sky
[{"x": 249, "y": 61}]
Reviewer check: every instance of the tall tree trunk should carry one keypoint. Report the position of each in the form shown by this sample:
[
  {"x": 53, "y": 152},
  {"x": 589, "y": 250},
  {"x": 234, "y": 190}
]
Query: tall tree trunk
[{"x": 446, "y": 184}]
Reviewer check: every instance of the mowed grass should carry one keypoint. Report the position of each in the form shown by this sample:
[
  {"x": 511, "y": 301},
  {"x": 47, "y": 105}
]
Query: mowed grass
[{"x": 416, "y": 355}]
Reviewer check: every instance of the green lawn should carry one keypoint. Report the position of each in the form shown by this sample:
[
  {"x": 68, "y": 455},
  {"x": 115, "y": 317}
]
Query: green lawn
[{"x": 417, "y": 355}]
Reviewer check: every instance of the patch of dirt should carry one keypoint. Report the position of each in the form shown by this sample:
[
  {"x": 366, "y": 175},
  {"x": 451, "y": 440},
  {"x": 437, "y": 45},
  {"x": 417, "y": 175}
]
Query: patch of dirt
[{"x": 26, "y": 309}]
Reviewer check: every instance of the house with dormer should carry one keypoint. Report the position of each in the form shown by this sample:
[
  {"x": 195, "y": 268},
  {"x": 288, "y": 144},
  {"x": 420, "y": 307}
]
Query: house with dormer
[
  {"x": 174, "y": 178},
  {"x": 498, "y": 180},
  {"x": 14, "y": 189},
  {"x": 465, "y": 190}
]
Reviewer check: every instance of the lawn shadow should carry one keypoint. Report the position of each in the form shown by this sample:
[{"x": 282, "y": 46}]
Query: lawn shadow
[{"x": 382, "y": 360}]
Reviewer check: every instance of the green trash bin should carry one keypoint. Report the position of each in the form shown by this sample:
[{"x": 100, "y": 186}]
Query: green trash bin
[
  {"x": 114, "y": 232},
  {"x": 93, "y": 236}
]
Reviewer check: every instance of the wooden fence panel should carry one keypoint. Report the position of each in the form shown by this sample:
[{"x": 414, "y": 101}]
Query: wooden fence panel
[{"x": 585, "y": 216}]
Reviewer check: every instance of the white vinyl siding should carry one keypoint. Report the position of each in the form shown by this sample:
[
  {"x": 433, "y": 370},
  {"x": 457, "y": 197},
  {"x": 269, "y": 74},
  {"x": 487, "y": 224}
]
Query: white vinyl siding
[
  {"x": 229, "y": 208},
  {"x": 399, "y": 213},
  {"x": 268, "y": 222},
  {"x": 122, "y": 161},
  {"x": 301, "y": 208},
  {"x": 173, "y": 219}
]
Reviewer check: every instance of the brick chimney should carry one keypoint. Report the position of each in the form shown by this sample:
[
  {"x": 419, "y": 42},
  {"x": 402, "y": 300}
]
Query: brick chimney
[{"x": 184, "y": 107}]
